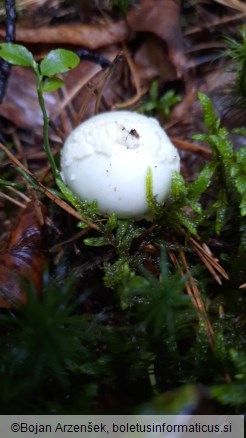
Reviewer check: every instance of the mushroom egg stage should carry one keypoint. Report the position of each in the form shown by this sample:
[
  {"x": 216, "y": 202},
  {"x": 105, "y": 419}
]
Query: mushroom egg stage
[{"x": 107, "y": 158}]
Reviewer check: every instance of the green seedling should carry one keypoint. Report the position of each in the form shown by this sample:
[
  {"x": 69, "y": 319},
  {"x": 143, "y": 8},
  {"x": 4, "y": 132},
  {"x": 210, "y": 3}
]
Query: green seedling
[
  {"x": 157, "y": 104},
  {"x": 56, "y": 62}
]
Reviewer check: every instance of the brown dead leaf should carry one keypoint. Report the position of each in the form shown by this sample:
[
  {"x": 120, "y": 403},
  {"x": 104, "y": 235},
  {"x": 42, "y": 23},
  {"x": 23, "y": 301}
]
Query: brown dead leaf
[
  {"x": 90, "y": 36},
  {"x": 151, "y": 61},
  {"x": 20, "y": 104},
  {"x": 23, "y": 258},
  {"x": 162, "y": 19}
]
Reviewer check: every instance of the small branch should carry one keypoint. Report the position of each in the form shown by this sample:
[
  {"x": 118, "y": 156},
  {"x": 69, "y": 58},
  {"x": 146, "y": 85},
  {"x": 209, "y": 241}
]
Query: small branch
[
  {"x": 47, "y": 192},
  {"x": 9, "y": 38},
  {"x": 96, "y": 58}
]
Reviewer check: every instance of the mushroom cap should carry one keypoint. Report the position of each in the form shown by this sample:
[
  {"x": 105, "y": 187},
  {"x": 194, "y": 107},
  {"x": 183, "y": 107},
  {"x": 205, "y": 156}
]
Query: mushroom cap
[{"x": 107, "y": 157}]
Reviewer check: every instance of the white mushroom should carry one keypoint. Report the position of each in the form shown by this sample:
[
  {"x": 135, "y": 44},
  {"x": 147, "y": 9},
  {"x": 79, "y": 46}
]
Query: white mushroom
[{"x": 107, "y": 159}]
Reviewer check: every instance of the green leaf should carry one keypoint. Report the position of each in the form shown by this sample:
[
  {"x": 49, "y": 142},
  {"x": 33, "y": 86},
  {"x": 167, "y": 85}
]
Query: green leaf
[
  {"x": 154, "y": 206},
  {"x": 241, "y": 158},
  {"x": 221, "y": 208},
  {"x": 96, "y": 241},
  {"x": 4, "y": 182},
  {"x": 239, "y": 131},
  {"x": 16, "y": 54},
  {"x": 52, "y": 84},
  {"x": 153, "y": 92},
  {"x": 125, "y": 233},
  {"x": 223, "y": 144},
  {"x": 195, "y": 205},
  {"x": 203, "y": 181},
  {"x": 241, "y": 184},
  {"x": 200, "y": 137},
  {"x": 187, "y": 221},
  {"x": 84, "y": 208},
  {"x": 149, "y": 106},
  {"x": 118, "y": 273},
  {"x": 243, "y": 206},
  {"x": 112, "y": 222},
  {"x": 58, "y": 61},
  {"x": 167, "y": 101},
  {"x": 211, "y": 121},
  {"x": 178, "y": 185}
]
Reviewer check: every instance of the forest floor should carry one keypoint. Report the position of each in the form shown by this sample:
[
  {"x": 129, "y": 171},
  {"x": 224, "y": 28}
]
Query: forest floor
[{"x": 153, "y": 321}]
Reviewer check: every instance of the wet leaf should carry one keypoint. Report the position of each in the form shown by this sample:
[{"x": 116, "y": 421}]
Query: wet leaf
[
  {"x": 20, "y": 105},
  {"x": 23, "y": 259},
  {"x": 164, "y": 21},
  {"x": 203, "y": 180},
  {"x": 221, "y": 208},
  {"x": 243, "y": 206},
  {"x": 211, "y": 121},
  {"x": 16, "y": 54},
  {"x": 178, "y": 185},
  {"x": 96, "y": 241},
  {"x": 52, "y": 84},
  {"x": 187, "y": 221},
  {"x": 58, "y": 61}
]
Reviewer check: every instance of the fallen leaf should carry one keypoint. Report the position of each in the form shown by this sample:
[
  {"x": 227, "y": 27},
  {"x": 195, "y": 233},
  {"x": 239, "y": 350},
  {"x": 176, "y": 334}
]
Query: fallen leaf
[
  {"x": 20, "y": 104},
  {"x": 151, "y": 61},
  {"x": 90, "y": 36},
  {"x": 23, "y": 258},
  {"x": 162, "y": 19}
]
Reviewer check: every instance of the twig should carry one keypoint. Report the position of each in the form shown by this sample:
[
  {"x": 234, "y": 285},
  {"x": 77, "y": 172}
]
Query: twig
[
  {"x": 194, "y": 294},
  {"x": 106, "y": 79},
  {"x": 193, "y": 148},
  {"x": 13, "y": 200},
  {"x": 10, "y": 37},
  {"x": 96, "y": 58},
  {"x": 132, "y": 101},
  {"x": 208, "y": 259},
  {"x": 20, "y": 194},
  {"x": 47, "y": 192}
]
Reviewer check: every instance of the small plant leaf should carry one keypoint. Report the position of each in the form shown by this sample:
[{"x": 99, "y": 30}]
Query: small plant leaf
[
  {"x": 149, "y": 106},
  {"x": 154, "y": 206},
  {"x": 187, "y": 222},
  {"x": 243, "y": 205},
  {"x": 203, "y": 180},
  {"x": 96, "y": 241},
  {"x": 112, "y": 222},
  {"x": 221, "y": 207},
  {"x": 223, "y": 144},
  {"x": 58, "y": 61},
  {"x": 178, "y": 185},
  {"x": 200, "y": 137},
  {"x": 211, "y": 121},
  {"x": 241, "y": 157},
  {"x": 52, "y": 84},
  {"x": 195, "y": 205},
  {"x": 241, "y": 184},
  {"x": 16, "y": 54},
  {"x": 83, "y": 207},
  {"x": 153, "y": 92}
]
